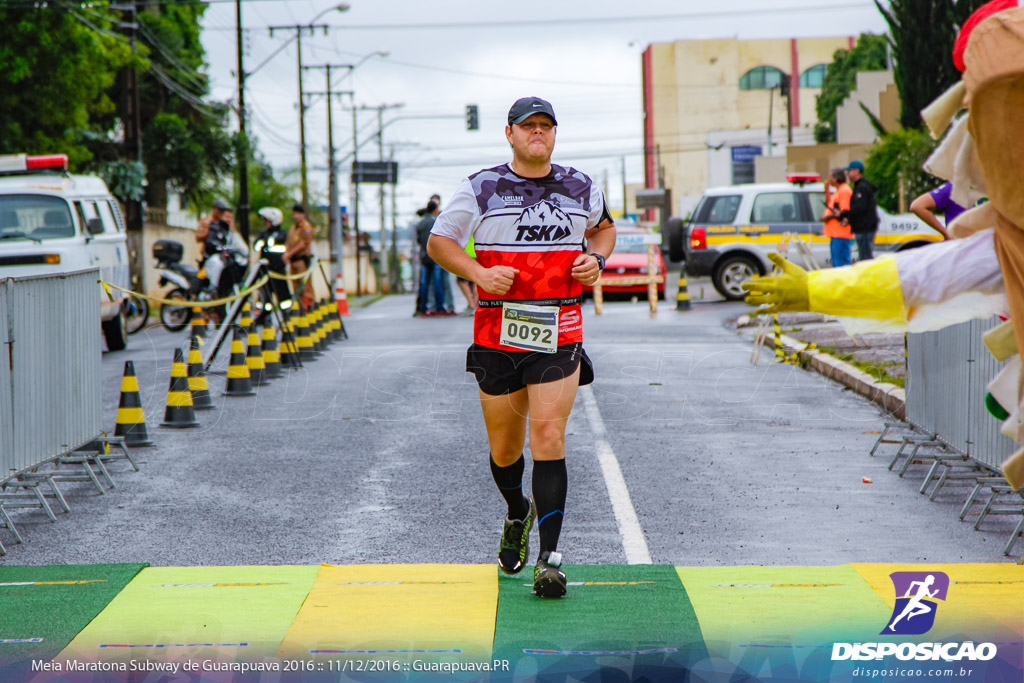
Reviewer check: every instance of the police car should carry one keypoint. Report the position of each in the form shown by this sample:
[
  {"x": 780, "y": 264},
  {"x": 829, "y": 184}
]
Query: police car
[
  {"x": 734, "y": 228},
  {"x": 52, "y": 222}
]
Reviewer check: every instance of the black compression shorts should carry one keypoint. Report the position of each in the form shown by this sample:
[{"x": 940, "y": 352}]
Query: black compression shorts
[{"x": 501, "y": 372}]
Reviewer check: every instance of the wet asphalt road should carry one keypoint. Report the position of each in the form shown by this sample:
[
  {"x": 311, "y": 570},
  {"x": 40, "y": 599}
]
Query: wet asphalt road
[{"x": 375, "y": 453}]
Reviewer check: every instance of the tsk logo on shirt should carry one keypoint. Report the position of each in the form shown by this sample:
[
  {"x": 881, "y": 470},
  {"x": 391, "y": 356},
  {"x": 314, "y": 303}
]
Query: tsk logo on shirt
[{"x": 543, "y": 222}]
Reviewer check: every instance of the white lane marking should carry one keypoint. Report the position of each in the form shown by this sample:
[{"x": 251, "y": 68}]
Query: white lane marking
[{"x": 633, "y": 541}]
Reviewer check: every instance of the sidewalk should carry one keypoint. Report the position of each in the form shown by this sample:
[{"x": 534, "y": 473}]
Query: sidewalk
[{"x": 873, "y": 365}]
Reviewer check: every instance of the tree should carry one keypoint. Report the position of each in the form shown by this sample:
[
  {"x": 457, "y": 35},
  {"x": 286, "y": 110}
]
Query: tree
[
  {"x": 922, "y": 33},
  {"x": 897, "y": 158},
  {"x": 869, "y": 54},
  {"x": 56, "y": 69}
]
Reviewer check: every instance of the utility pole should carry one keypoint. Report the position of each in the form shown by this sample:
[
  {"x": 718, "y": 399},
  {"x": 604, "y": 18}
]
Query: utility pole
[
  {"x": 625, "y": 201},
  {"x": 334, "y": 217},
  {"x": 299, "y": 28},
  {"x": 243, "y": 142},
  {"x": 380, "y": 157},
  {"x": 131, "y": 118},
  {"x": 394, "y": 267},
  {"x": 771, "y": 98}
]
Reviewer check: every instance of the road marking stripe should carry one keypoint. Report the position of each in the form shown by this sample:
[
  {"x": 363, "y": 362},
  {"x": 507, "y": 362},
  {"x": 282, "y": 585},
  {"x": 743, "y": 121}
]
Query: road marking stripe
[{"x": 633, "y": 541}]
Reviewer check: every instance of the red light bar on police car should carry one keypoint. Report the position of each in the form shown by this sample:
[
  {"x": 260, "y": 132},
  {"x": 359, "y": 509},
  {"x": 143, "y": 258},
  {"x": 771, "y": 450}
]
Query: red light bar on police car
[
  {"x": 803, "y": 177},
  {"x": 23, "y": 163}
]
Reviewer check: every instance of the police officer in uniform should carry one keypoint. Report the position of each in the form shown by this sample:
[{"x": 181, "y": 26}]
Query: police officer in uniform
[{"x": 270, "y": 246}]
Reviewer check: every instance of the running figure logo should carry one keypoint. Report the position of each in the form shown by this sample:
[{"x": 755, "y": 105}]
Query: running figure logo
[{"x": 916, "y": 596}]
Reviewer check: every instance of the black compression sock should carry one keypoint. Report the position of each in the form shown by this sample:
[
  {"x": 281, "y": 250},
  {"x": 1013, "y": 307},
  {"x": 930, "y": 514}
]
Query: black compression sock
[
  {"x": 510, "y": 483},
  {"x": 549, "y": 485}
]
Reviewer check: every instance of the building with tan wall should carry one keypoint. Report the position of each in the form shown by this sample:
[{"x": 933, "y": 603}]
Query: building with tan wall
[{"x": 706, "y": 107}]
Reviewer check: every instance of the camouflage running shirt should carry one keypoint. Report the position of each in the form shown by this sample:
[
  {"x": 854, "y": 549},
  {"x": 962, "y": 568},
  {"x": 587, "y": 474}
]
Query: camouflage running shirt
[{"x": 535, "y": 225}]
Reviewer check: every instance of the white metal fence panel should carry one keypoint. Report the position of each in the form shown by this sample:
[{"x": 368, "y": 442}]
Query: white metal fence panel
[
  {"x": 6, "y": 390},
  {"x": 947, "y": 377},
  {"x": 55, "y": 358}
]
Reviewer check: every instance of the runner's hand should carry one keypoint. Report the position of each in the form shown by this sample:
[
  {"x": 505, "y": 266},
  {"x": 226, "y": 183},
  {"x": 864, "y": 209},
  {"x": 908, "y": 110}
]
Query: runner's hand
[
  {"x": 784, "y": 292},
  {"x": 585, "y": 269},
  {"x": 497, "y": 279}
]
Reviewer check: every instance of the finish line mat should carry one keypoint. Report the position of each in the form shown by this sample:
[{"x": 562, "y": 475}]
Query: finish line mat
[
  {"x": 43, "y": 608},
  {"x": 635, "y": 618},
  {"x": 175, "y": 613},
  {"x": 429, "y": 612},
  {"x": 986, "y": 600}
]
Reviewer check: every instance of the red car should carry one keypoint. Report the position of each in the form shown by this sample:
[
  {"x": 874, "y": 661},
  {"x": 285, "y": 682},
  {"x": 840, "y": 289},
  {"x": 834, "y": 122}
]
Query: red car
[{"x": 630, "y": 259}]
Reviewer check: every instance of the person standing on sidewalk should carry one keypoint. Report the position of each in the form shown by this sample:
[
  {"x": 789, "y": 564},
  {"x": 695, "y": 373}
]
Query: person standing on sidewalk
[
  {"x": 839, "y": 234},
  {"x": 863, "y": 212},
  {"x": 530, "y": 219},
  {"x": 299, "y": 253},
  {"x": 430, "y": 272}
]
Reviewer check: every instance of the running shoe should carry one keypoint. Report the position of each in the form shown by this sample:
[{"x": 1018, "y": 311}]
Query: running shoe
[
  {"x": 548, "y": 579},
  {"x": 515, "y": 542}
]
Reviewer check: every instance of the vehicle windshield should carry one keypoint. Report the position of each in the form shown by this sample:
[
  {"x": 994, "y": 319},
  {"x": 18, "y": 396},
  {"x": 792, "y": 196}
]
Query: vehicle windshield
[
  {"x": 630, "y": 246},
  {"x": 34, "y": 217}
]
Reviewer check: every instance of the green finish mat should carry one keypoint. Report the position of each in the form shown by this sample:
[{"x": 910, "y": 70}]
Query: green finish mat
[
  {"x": 43, "y": 608},
  {"x": 636, "y": 618}
]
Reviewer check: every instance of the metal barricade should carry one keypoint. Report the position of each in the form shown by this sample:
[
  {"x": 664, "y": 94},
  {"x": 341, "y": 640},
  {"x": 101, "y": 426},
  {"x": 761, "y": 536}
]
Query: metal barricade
[
  {"x": 947, "y": 374},
  {"x": 51, "y": 394}
]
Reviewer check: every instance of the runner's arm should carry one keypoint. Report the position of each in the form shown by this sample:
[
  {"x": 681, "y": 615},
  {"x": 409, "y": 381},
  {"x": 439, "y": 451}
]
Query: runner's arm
[
  {"x": 600, "y": 240},
  {"x": 923, "y": 207},
  {"x": 453, "y": 258}
]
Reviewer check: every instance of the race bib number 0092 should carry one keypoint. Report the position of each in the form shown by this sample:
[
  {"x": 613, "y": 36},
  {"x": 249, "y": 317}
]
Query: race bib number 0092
[{"x": 530, "y": 328}]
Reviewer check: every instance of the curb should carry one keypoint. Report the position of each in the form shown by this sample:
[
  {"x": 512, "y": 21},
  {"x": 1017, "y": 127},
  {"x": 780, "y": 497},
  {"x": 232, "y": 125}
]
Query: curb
[{"x": 888, "y": 396}]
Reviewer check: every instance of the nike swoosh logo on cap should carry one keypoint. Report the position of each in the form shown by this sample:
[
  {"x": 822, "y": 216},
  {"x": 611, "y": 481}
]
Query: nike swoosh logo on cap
[{"x": 536, "y": 104}]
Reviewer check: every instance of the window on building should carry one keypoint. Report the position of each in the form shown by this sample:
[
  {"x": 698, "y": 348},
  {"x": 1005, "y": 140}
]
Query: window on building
[
  {"x": 742, "y": 172},
  {"x": 761, "y": 78},
  {"x": 776, "y": 207},
  {"x": 813, "y": 77}
]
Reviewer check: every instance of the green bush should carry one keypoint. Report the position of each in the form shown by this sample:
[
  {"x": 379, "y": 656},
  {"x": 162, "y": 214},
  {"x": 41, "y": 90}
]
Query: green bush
[{"x": 896, "y": 155}]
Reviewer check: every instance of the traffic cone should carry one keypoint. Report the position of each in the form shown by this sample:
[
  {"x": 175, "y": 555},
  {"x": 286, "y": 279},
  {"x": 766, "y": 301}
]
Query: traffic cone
[
  {"x": 683, "y": 297},
  {"x": 198, "y": 323},
  {"x": 325, "y": 324},
  {"x": 239, "y": 383},
  {"x": 245, "y": 321},
  {"x": 289, "y": 349},
  {"x": 131, "y": 423},
  {"x": 271, "y": 356},
  {"x": 254, "y": 358},
  {"x": 339, "y": 295},
  {"x": 320, "y": 334},
  {"x": 331, "y": 316},
  {"x": 197, "y": 382},
  {"x": 303, "y": 341},
  {"x": 180, "y": 412}
]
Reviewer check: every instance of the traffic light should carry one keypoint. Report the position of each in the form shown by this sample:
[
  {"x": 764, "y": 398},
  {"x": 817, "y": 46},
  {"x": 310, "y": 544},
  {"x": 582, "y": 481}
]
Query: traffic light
[
  {"x": 472, "y": 117},
  {"x": 784, "y": 85}
]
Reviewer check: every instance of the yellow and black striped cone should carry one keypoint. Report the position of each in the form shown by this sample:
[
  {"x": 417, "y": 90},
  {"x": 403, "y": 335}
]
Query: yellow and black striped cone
[
  {"x": 198, "y": 323},
  {"x": 327, "y": 328},
  {"x": 180, "y": 412},
  {"x": 303, "y": 341},
  {"x": 316, "y": 328},
  {"x": 131, "y": 423},
  {"x": 683, "y": 295},
  {"x": 780, "y": 355},
  {"x": 197, "y": 382},
  {"x": 271, "y": 356},
  {"x": 289, "y": 350},
  {"x": 245, "y": 321},
  {"x": 335, "y": 320},
  {"x": 239, "y": 383},
  {"x": 254, "y": 358}
]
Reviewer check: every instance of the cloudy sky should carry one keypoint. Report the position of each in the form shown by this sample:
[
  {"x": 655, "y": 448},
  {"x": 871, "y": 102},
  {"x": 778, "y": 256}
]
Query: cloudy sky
[{"x": 582, "y": 55}]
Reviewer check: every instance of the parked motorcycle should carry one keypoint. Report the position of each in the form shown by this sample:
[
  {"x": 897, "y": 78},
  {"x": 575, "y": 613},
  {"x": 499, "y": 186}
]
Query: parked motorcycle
[{"x": 220, "y": 275}]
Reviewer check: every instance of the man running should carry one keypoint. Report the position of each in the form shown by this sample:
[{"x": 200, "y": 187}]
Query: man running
[{"x": 529, "y": 219}]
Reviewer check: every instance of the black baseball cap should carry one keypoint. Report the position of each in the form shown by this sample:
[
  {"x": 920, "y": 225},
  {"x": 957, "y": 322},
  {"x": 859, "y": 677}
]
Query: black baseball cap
[{"x": 525, "y": 107}]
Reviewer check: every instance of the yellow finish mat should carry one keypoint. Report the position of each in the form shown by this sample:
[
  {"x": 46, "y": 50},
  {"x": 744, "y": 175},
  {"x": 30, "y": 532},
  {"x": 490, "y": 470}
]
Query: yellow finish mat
[
  {"x": 984, "y": 600},
  {"x": 177, "y": 613},
  {"x": 431, "y": 611},
  {"x": 782, "y": 606}
]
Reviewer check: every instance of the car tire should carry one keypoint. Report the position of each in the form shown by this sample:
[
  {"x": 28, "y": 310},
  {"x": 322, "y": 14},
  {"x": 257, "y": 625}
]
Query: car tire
[
  {"x": 115, "y": 332},
  {"x": 674, "y": 235},
  {"x": 175, "y": 318},
  {"x": 732, "y": 272}
]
